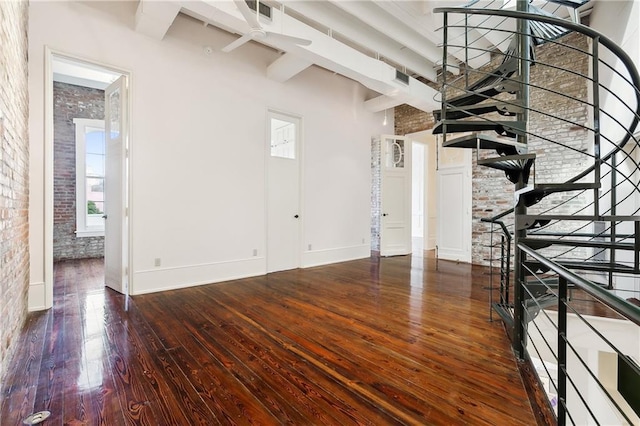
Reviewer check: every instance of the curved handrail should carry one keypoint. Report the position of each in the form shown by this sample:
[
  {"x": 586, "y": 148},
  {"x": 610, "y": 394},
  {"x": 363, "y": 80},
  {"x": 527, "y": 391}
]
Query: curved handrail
[
  {"x": 501, "y": 224},
  {"x": 498, "y": 216},
  {"x": 621, "y": 306}
]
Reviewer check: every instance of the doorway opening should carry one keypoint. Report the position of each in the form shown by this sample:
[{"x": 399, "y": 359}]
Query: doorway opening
[
  {"x": 423, "y": 196},
  {"x": 78, "y": 174}
]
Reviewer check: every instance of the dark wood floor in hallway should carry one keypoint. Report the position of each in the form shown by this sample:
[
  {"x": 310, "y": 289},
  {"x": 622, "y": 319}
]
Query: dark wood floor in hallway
[{"x": 373, "y": 341}]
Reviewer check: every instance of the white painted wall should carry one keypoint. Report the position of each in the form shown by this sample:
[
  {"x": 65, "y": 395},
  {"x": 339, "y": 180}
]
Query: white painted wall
[{"x": 198, "y": 147}]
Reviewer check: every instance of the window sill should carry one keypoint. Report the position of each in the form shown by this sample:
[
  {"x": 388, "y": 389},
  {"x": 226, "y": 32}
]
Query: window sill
[{"x": 96, "y": 233}]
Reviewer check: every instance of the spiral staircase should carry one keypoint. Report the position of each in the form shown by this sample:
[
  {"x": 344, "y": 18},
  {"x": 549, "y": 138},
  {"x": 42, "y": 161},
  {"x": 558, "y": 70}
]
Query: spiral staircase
[{"x": 573, "y": 161}]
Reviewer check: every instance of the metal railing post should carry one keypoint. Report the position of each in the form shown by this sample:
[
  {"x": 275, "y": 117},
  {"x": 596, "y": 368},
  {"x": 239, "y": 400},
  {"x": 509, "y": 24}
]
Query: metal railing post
[
  {"x": 466, "y": 50},
  {"x": 443, "y": 94},
  {"x": 596, "y": 123},
  {"x": 491, "y": 274},
  {"x": 502, "y": 268},
  {"x": 562, "y": 351},
  {"x": 614, "y": 211},
  {"x": 519, "y": 320}
]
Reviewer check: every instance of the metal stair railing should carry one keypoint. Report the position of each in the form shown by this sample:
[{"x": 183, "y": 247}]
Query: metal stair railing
[
  {"x": 578, "y": 382},
  {"x": 598, "y": 163},
  {"x": 500, "y": 230},
  {"x": 595, "y": 209}
]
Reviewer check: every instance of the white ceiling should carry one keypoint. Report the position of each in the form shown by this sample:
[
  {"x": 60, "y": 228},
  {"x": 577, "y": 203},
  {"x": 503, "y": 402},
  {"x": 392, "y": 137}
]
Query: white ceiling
[{"x": 366, "y": 40}]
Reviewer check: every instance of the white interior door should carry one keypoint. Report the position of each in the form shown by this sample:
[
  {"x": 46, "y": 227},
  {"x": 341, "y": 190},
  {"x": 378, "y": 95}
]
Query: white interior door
[
  {"x": 454, "y": 204},
  {"x": 115, "y": 208},
  {"x": 283, "y": 192},
  {"x": 395, "y": 224}
]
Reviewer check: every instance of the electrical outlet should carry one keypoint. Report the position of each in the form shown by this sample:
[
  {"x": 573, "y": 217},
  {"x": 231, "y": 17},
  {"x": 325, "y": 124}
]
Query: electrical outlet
[
  {"x": 255, "y": 252},
  {"x": 309, "y": 247},
  {"x": 157, "y": 261},
  {"x": 363, "y": 240}
]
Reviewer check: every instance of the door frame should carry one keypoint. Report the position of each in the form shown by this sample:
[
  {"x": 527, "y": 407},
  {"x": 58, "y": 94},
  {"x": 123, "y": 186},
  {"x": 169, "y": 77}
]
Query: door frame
[
  {"x": 267, "y": 154},
  {"x": 50, "y": 54}
]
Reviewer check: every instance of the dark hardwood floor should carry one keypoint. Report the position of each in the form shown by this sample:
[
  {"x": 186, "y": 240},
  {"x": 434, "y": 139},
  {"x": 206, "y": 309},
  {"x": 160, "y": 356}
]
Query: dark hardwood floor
[{"x": 374, "y": 341}]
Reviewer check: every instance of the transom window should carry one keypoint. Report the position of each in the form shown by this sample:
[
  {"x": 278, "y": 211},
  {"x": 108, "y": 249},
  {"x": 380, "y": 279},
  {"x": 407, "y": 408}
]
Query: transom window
[{"x": 283, "y": 139}]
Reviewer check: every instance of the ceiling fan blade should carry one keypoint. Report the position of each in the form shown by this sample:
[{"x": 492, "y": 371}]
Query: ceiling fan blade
[
  {"x": 248, "y": 14},
  {"x": 288, "y": 39},
  {"x": 236, "y": 43}
]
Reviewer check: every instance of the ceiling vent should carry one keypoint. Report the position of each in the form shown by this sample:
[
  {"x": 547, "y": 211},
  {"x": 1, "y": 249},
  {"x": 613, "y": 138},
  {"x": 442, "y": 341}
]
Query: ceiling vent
[
  {"x": 265, "y": 10},
  {"x": 402, "y": 77}
]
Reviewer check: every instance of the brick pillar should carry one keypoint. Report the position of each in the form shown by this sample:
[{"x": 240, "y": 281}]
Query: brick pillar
[{"x": 14, "y": 176}]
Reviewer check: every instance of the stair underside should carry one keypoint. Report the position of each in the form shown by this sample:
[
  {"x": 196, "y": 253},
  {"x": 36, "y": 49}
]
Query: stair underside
[
  {"x": 539, "y": 286},
  {"x": 538, "y": 223},
  {"x": 532, "y": 195},
  {"x": 542, "y": 301},
  {"x": 502, "y": 108},
  {"x": 485, "y": 141},
  {"x": 502, "y": 128},
  {"x": 504, "y": 312},
  {"x": 528, "y": 221},
  {"x": 496, "y": 84},
  {"x": 586, "y": 266},
  {"x": 517, "y": 168},
  {"x": 509, "y": 162},
  {"x": 537, "y": 243},
  {"x": 570, "y": 3}
]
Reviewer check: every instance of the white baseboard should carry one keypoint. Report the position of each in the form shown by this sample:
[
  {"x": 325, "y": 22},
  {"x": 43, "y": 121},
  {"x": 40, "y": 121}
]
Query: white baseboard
[
  {"x": 341, "y": 254},
  {"x": 455, "y": 255},
  {"x": 173, "y": 278},
  {"x": 37, "y": 297}
]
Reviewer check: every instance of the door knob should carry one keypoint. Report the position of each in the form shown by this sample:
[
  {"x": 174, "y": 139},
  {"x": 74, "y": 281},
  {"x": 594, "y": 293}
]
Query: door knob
[
  {"x": 296, "y": 216},
  {"x": 384, "y": 214}
]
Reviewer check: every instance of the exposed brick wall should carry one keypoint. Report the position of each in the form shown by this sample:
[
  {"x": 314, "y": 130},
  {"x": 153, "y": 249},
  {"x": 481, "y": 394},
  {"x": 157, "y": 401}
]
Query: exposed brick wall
[
  {"x": 411, "y": 120},
  {"x": 492, "y": 193},
  {"x": 376, "y": 187},
  {"x": 71, "y": 102},
  {"x": 14, "y": 174}
]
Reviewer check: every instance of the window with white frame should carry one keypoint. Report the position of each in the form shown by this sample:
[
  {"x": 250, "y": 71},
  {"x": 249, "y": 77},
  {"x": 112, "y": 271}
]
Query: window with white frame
[{"x": 90, "y": 167}]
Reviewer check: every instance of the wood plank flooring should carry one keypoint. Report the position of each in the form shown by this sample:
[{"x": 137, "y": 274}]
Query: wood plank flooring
[{"x": 374, "y": 341}]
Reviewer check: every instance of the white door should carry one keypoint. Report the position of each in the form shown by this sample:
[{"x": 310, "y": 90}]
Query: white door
[
  {"x": 115, "y": 208},
  {"x": 454, "y": 204},
  {"x": 395, "y": 204},
  {"x": 283, "y": 192}
]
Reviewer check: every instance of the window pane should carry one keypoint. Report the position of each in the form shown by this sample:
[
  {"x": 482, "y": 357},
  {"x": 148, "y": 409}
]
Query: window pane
[
  {"x": 95, "y": 196},
  {"x": 283, "y": 139},
  {"x": 94, "y": 140},
  {"x": 95, "y": 165},
  {"x": 95, "y": 188},
  {"x": 395, "y": 153},
  {"x": 94, "y": 208}
]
